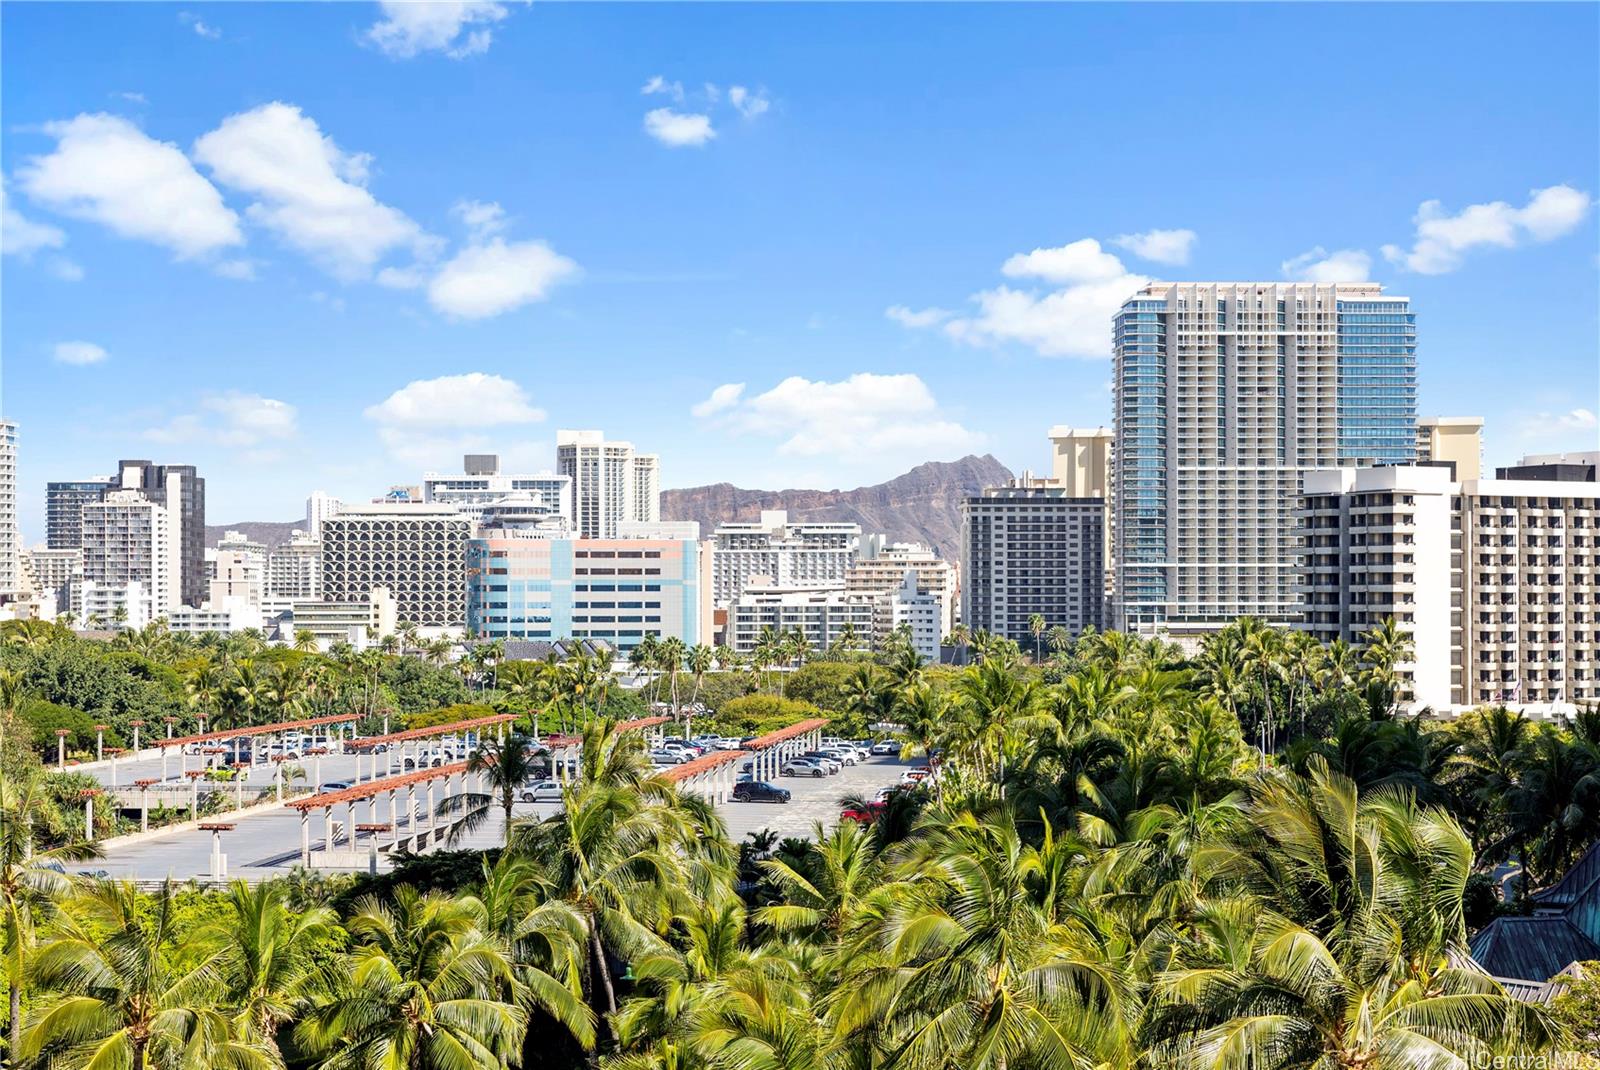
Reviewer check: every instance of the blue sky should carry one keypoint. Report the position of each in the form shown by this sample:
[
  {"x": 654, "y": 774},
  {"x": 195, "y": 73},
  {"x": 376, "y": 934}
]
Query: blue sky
[{"x": 329, "y": 246}]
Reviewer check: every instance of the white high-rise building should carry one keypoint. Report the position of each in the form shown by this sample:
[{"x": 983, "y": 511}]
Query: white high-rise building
[
  {"x": 921, "y": 613},
  {"x": 319, "y": 507},
  {"x": 10, "y": 537},
  {"x": 239, "y": 572},
  {"x": 824, "y": 615},
  {"x": 883, "y": 574},
  {"x": 482, "y": 485},
  {"x": 610, "y": 483},
  {"x": 415, "y": 550},
  {"x": 294, "y": 568},
  {"x": 59, "y": 573},
  {"x": 780, "y": 553},
  {"x": 1225, "y": 395},
  {"x": 1495, "y": 581},
  {"x": 132, "y": 545}
]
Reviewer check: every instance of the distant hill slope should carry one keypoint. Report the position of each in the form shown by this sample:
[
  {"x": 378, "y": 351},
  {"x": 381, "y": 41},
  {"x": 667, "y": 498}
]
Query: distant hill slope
[
  {"x": 265, "y": 531},
  {"x": 924, "y": 505}
]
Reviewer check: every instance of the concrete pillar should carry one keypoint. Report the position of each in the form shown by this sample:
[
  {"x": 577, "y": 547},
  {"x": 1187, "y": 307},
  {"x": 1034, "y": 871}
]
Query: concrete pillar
[
  {"x": 169, "y": 721},
  {"x": 88, "y": 818},
  {"x": 305, "y": 837},
  {"x": 386, "y": 724},
  {"x": 99, "y": 742},
  {"x": 411, "y": 808},
  {"x": 113, "y": 769},
  {"x": 433, "y": 818},
  {"x": 61, "y": 749},
  {"x": 163, "y": 763},
  {"x": 136, "y": 726},
  {"x": 183, "y": 762},
  {"x": 194, "y": 796},
  {"x": 316, "y": 773},
  {"x": 394, "y": 816},
  {"x": 144, "y": 809},
  {"x": 327, "y": 829},
  {"x": 350, "y": 823},
  {"x": 238, "y": 787},
  {"x": 216, "y": 854}
]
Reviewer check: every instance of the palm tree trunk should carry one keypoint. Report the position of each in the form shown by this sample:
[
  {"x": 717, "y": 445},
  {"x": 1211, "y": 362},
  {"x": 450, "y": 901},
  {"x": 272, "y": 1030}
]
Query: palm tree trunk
[
  {"x": 602, "y": 971},
  {"x": 16, "y": 1019}
]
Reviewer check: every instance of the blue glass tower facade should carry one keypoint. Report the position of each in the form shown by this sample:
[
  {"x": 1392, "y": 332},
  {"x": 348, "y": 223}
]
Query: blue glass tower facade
[{"x": 1225, "y": 394}]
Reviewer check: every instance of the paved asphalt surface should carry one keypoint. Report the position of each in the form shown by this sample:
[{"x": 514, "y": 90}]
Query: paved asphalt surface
[{"x": 268, "y": 844}]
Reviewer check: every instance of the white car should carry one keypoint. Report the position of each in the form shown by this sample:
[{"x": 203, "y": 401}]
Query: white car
[
  {"x": 843, "y": 755},
  {"x": 886, "y": 746},
  {"x": 540, "y": 791},
  {"x": 428, "y": 759}
]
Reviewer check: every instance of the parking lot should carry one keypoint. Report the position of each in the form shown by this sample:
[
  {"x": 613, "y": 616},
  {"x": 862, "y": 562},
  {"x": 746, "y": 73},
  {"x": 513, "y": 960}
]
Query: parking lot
[{"x": 813, "y": 801}]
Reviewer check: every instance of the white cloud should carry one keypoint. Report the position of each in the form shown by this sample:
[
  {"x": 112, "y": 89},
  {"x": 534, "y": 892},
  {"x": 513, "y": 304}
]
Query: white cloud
[
  {"x": 498, "y": 276},
  {"x": 749, "y": 103},
  {"x": 916, "y": 318},
  {"x": 1160, "y": 246},
  {"x": 866, "y": 415},
  {"x": 65, "y": 270},
  {"x": 23, "y": 237},
  {"x": 231, "y": 418},
  {"x": 191, "y": 20},
  {"x": 458, "y": 28},
  {"x": 79, "y": 353},
  {"x": 1319, "y": 265},
  {"x": 482, "y": 218},
  {"x": 311, "y": 193},
  {"x": 723, "y": 397},
  {"x": 659, "y": 86},
  {"x": 678, "y": 129},
  {"x": 107, "y": 170},
  {"x": 131, "y": 97},
  {"x": 1079, "y": 261},
  {"x": 1443, "y": 240},
  {"x": 455, "y": 401},
  {"x": 407, "y": 278},
  {"x": 242, "y": 269}
]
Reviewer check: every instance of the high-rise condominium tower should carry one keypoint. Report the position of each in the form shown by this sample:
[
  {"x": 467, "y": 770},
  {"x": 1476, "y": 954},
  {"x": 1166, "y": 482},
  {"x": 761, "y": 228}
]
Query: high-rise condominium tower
[
  {"x": 179, "y": 488},
  {"x": 610, "y": 482},
  {"x": 10, "y": 537},
  {"x": 63, "y": 510},
  {"x": 1225, "y": 394}
]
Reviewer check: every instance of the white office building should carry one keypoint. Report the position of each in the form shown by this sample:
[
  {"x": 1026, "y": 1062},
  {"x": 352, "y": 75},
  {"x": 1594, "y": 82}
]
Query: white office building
[
  {"x": 1497, "y": 581},
  {"x": 361, "y": 622},
  {"x": 319, "y": 507},
  {"x": 58, "y": 573},
  {"x": 822, "y": 615},
  {"x": 130, "y": 605},
  {"x": 238, "y": 572},
  {"x": 415, "y": 550},
  {"x": 130, "y": 540},
  {"x": 777, "y": 552},
  {"x": 881, "y": 572},
  {"x": 188, "y": 620},
  {"x": 609, "y": 482},
  {"x": 481, "y": 485},
  {"x": 1225, "y": 395},
  {"x": 294, "y": 568},
  {"x": 10, "y": 537}
]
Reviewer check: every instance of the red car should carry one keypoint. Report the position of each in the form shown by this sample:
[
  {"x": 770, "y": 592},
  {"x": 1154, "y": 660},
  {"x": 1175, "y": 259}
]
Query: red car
[{"x": 865, "y": 813}]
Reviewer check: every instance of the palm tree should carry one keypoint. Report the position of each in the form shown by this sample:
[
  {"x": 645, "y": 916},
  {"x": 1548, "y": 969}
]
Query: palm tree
[
  {"x": 1005, "y": 707},
  {"x": 669, "y": 658},
  {"x": 119, "y": 994},
  {"x": 965, "y": 964},
  {"x": 1036, "y": 628},
  {"x": 507, "y": 765},
  {"x": 699, "y": 660},
  {"x": 1333, "y": 941},
  {"x": 1387, "y": 647},
  {"x": 822, "y": 897},
  {"x": 426, "y": 991},
  {"x": 269, "y": 957},
  {"x": 32, "y": 881}
]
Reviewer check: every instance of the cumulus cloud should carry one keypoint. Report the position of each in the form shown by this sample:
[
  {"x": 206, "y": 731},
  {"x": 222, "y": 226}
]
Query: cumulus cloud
[
  {"x": 65, "y": 270},
  {"x": 1319, "y": 265},
  {"x": 79, "y": 353},
  {"x": 481, "y": 218},
  {"x": 864, "y": 415},
  {"x": 1160, "y": 246},
  {"x": 723, "y": 397},
  {"x": 1072, "y": 320},
  {"x": 497, "y": 276},
  {"x": 309, "y": 192},
  {"x": 749, "y": 103},
  {"x": 1079, "y": 261},
  {"x": 231, "y": 418},
  {"x": 20, "y": 236},
  {"x": 677, "y": 129},
  {"x": 1443, "y": 240},
  {"x": 106, "y": 170},
  {"x": 458, "y": 28},
  {"x": 475, "y": 399},
  {"x": 926, "y": 317}
]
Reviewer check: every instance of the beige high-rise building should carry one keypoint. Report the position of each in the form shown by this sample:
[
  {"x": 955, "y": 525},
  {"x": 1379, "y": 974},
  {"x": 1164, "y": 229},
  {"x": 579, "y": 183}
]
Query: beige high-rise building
[
  {"x": 1083, "y": 460},
  {"x": 1458, "y": 439}
]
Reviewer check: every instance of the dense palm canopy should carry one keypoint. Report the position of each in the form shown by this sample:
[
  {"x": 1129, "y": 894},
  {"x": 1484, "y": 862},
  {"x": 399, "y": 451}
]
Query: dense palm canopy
[{"x": 1125, "y": 858}]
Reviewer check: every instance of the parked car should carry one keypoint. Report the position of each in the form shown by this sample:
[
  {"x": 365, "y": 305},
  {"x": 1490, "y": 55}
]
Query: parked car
[
  {"x": 540, "y": 791},
  {"x": 335, "y": 785},
  {"x": 865, "y": 813},
  {"x": 729, "y": 743},
  {"x": 886, "y": 746},
  {"x": 286, "y": 751},
  {"x": 802, "y": 767},
  {"x": 829, "y": 764},
  {"x": 668, "y": 757},
  {"x": 432, "y": 758},
  {"x": 914, "y": 776},
  {"x": 842, "y": 755},
  {"x": 760, "y": 791}
]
